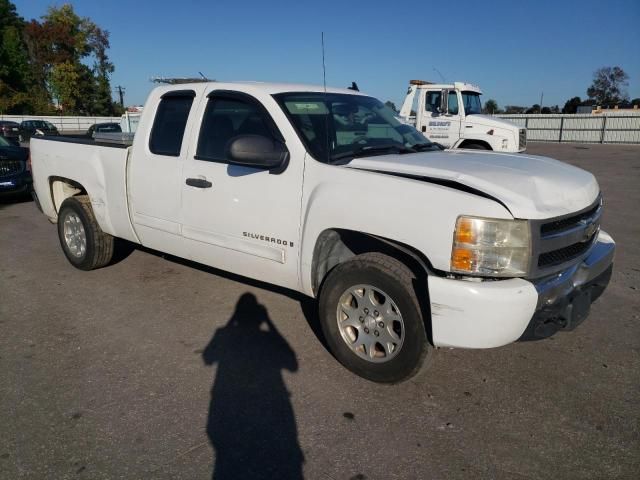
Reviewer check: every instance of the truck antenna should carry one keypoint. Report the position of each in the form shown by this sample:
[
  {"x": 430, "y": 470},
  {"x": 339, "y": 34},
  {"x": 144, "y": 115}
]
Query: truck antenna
[
  {"x": 324, "y": 70},
  {"x": 441, "y": 76}
]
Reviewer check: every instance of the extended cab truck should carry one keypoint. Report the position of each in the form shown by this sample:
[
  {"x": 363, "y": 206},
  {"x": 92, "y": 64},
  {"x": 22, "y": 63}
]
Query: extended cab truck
[
  {"x": 451, "y": 115},
  {"x": 403, "y": 244}
]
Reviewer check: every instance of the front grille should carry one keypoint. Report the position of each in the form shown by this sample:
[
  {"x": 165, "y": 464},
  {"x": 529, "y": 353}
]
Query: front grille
[
  {"x": 11, "y": 167},
  {"x": 522, "y": 141},
  {"x": 559, "y": 242},
  {"x": 562, "y": 255},
  {"x": 567, "y": 223}
]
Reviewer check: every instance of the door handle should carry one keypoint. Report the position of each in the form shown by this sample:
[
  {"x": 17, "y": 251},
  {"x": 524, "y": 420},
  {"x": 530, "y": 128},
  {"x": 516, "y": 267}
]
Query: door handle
[{"x": 198, "y": 183}]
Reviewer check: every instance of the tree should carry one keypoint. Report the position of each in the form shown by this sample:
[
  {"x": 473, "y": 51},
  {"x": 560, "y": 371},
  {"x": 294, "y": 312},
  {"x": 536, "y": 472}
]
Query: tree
[
  {"x": 608, "y": 86},
  {"x": 635, "y": 101},
  {"x": 571, "y": 105},
  {"x": 545, "y": 110},
  {"x": 534, "y": 109},
  {"x": 391, "y": 105},
  {"x": 15, "y": 75},
  {"x": 64, "y": 82},
  {"x": 61, "y": 58},
  {"x": 491, "y": 106},
  {"x": 514, "y": 109}
]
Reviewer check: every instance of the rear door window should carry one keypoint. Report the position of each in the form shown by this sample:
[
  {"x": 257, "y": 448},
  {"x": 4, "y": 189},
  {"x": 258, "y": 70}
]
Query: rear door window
[{"x": 170, "y": 123}]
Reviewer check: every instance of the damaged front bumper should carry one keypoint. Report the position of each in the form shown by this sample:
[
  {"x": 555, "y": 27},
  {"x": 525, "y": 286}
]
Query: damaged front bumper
[
  {"x": 564, "y": 300},
  {"x": 466, "y": 314}
]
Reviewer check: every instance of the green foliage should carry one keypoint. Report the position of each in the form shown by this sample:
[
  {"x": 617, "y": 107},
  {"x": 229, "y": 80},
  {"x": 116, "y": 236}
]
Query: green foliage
[
  {"x": 514, "y": 109},
  {"x": 534, "y": 109},
  {"x": 14, "y": 63},
  {"x": 64, "y": 79},
  {"x": 608, "y": 86},
  {"x": 571, "y": 105},
  {"x": 491, "y": 107},
  {"x": 57, "y": 63}
]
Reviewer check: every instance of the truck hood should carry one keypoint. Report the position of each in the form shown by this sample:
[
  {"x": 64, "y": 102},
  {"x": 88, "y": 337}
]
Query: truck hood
[
  {"x": 530, "y": 186},
  {"x": 491, "y": 122}
]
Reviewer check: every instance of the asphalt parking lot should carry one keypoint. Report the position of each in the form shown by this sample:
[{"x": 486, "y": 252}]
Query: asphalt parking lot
[{"x": 137, "y": 371}]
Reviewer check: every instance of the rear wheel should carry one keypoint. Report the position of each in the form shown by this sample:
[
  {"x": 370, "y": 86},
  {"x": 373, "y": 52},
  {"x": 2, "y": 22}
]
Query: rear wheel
[
  {"x": 84, "y": 243},
  {"x": 372, "y": 320}
]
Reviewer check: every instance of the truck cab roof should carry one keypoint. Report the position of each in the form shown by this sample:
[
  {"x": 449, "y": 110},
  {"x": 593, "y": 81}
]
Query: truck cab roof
[
  {"x": 269, "y": 88},
  {"x": 462, "y": 86}
]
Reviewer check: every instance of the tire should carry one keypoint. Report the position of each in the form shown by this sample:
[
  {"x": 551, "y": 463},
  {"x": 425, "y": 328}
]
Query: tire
[
  {"x": 97, "y": 250},
  {"x": 345, "y": 289},
  {"x": 476, "y": 146}
]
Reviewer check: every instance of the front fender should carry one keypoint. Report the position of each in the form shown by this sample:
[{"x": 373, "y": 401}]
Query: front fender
[{"x": 413, "y": 212}]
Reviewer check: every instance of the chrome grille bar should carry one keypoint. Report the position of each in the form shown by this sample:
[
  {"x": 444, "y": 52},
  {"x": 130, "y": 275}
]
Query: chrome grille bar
[{"x": 561, "y": 241}]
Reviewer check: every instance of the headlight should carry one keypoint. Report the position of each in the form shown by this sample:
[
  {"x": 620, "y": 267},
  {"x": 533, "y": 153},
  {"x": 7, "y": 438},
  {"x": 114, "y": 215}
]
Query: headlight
[{"x": 491, "y": 247}]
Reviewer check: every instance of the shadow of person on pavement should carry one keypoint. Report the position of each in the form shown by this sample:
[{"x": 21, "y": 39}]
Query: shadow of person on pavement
[{"x": 251, "y": 424}]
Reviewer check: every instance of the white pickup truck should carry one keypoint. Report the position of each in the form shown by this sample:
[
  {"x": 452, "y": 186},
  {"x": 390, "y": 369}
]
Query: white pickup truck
[
  {"x": 451, "y": 115},
  {"x": 404, "y": 245}
]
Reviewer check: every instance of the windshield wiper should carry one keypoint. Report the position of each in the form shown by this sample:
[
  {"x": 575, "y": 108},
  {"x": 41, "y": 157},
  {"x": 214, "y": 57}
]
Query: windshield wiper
[
  {"x": 369, "y": 150},
  {"x": 423, "y": 147}
]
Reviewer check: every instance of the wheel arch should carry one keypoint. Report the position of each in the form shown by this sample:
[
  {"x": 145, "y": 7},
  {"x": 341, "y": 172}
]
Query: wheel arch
[
  {"x": 465, "y": 143},
  {"x": 61, "y": 188},
  {"x": 335, "y": 246}
]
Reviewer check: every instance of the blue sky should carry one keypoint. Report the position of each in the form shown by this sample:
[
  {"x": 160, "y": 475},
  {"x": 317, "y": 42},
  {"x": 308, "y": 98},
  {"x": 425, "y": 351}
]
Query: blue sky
[{"x": 512, "y": 49}]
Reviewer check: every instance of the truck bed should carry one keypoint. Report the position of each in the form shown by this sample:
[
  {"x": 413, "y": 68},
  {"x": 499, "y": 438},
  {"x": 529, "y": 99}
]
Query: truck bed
[{"x": 98, "y": 167}]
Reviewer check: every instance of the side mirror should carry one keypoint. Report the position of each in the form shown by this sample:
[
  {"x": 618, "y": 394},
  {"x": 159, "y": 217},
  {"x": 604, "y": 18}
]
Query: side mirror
[
  {"x": 258, "y": 152},
  {"x": 444, "y": 102}
]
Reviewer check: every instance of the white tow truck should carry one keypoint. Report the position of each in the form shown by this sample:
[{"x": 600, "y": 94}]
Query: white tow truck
[
  {"x": 451, "y": 115},
  {"x": 405, "y": 245}
]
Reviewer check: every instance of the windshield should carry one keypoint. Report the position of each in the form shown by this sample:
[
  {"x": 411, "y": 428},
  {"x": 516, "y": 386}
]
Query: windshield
[
  {"x": 472, "y": 104},
  {"x": 341, "y": 126}
]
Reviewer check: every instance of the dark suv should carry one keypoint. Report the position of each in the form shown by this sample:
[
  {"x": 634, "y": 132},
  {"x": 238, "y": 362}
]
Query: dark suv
[
  {"x": 103, "y": 128},
  {"x": 29, "y": 128},
  {"x": 10, "y": 130},
  {"x": 15, "y": 175}
]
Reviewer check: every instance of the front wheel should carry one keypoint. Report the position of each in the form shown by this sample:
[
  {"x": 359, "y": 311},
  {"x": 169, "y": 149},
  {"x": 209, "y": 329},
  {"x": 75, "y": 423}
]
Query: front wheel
[
  {"x": 372, "y": 320},
  {"x": 83, "y": 242}
]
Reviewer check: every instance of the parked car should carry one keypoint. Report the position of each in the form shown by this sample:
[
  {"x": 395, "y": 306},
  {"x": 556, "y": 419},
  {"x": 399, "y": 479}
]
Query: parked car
[
  {"x": 323, "y": 191},
  {"x": 10, "y": 131},
  {"x": 15, "y": 175},
  {"x": 29, "y": 128},
  {"x": 103, "y": 128}
]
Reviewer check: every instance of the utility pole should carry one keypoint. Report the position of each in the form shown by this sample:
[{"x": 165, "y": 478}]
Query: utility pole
[
  {"x": 541, "y": 97},
  {"x": 120, "y": 91}
]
